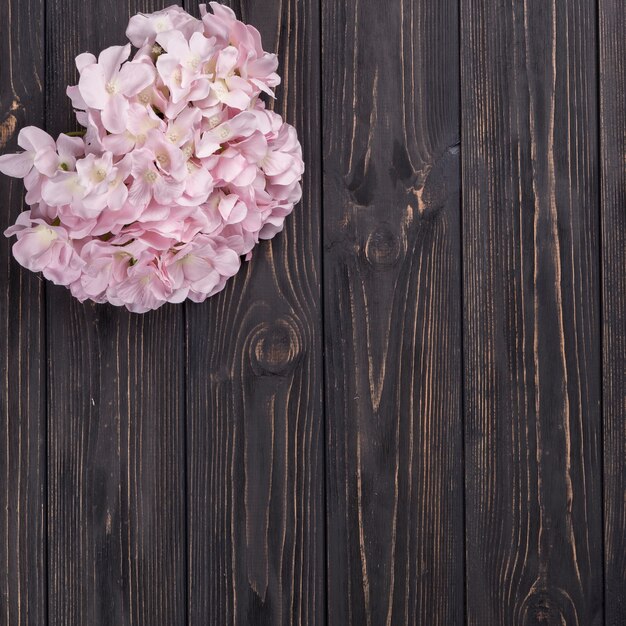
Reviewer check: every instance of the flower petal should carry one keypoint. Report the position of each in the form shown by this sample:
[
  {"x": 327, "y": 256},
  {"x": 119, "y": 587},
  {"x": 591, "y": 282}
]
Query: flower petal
[
  {"x": 47, "y": 162},
  {"x": 92, "y": 87},
  {"x": 16, "y": 165},
  {"x": 85, "y": 59},
  {"x": 227, "y": 262},
  {"x": 111, "y": 58},
  {"x": 33, "y": 138},
  {"x": 115, "y": 114},
  {"x": 139, "y": 194},
  {"x": 134, "y": 77}
]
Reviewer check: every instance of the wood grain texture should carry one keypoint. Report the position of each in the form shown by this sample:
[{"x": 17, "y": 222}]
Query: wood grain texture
[
  {"x": 532, "y": 316},
  {"x": 392, "y": 311},
  {"x": 116, "y": 464},
  {"x": 612, "y": 16},
  {"x": 444, "y": 341},
  {"x": 254, "y": 408},
  {"x": 22, "y": 340}
]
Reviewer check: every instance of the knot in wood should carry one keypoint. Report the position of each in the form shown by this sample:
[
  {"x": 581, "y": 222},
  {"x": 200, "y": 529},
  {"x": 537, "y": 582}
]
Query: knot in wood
[
  {"x": 275, "y": 348},
  {"x": 382, "y": 248},
  {"x": 542, "y": 608}
]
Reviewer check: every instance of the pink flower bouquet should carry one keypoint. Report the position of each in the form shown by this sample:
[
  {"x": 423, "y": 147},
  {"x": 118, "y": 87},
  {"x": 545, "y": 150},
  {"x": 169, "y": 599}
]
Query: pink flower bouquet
[{"x": 180, "y": 171}]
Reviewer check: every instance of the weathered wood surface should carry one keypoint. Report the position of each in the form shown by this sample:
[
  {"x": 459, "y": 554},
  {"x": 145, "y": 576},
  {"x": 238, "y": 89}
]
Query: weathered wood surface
[
  {"x": 612, "y": 18},
  {"x": 254, "y": 409},
  {"x": 22, "y": 339},
  {"x": 116, "y": 432},
  {"x": 531, "y": 313},
  {"x": 407, "y": 408},
  {"x": 393, "y": 312},
  {"x": 254, "y": 388}
]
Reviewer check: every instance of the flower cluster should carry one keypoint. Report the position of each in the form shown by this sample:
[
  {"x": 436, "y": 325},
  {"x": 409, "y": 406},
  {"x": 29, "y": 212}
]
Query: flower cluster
[{"x": 180, "y": 171}]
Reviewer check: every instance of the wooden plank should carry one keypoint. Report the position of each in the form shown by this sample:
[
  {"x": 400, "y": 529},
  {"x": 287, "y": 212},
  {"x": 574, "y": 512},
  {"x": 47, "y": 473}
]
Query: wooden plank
[
  {"x": 612, "y": 19},
  {"x": 117, "y": 535},
  {"x": 22, "y": 340},
  {"x": 255, "y": 421},
  {"x": 392, "y": 311},
  {"x": 531, "y": 325}
]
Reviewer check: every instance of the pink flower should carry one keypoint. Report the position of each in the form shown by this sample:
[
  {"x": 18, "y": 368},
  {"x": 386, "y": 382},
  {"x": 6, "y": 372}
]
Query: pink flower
[
  {"x": 41, "y": 247},
  {"x": 103, "y": 182},
  {"x": 233, "y": 168},
  {"x": 230, "y": 207},
  {"x": 220, "y": 23},
  {"x": 145, "y": 287},
  {"x": 180, "y": 130},
  {"x": 228, "y": 87},
  {"x": 108, "y": 84},
  {"x": 43, "y": 159},
  {"x": 105, "y": 265},
  {"x": 182, "y": 66},
  {"x": 169, "y": 159},
  {"x": 141, "y": 120},
  {"x": 149, "y": 182},
  {"x": 40, "y": 153},
  {"x": 198, "y": 267},
  {"x": 253, "y": 64},
  {"x": 143, "y": 29},
  {"x": 181, "y": 170},
  {"x": 242, "y": 125},
  {"x": 198, "y": 185}
]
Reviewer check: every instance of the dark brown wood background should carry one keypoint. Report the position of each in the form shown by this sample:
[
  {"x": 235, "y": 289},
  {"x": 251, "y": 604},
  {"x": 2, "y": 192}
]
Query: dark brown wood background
[{"x": 409, "y": 407}]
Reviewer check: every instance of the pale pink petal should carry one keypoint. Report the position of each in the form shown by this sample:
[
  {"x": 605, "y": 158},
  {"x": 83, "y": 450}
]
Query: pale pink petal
[
  {"x": 165, "y": 192},
  {"x": 174, "y": 43},
  {"x": 92, "y": 86},
  {"x": 207, "y": 146},
  {"x": 29, "y": 253},
  {"x": 59, "y": 191},
  {"x": 115, "y": 114},
  {"x": 254, "y": 148},
  {"x": 98, "y": 282},
  {"x": 276, "y": 163},
  {"x": 262, "y": 67},
  {"x": 199, "y": 91},
  {"x": 119, "y": 144},
  {"x": 139, "y": 193},
  {"x": 70, "y": 146},
  {"x": 111, "y": 58},
  {"x": 23, "y": 221},
  {"x": 16, "y": 165},
  {"x": 85, "y": 59},
  {"x": 138, "y": 31},
  {"x": 222, "y": 11},
  {"x": 134, "y": 77},
  {"x": 236, "y": 99},
  {"x": 73, "y": 93},
  {"x": 201, "y": 45},
  {"x": 195, "y": 268},
  {"x": 117, "y": 197},
  {"x": 35, "y": 139},
  {"x": 47, "y": 162},
  {"x": 243, "y": 124},
  {"x": 246, "y": 177},
  {"x": 238, "y": 213},
  {"x": 227, "y": 262},
  {"x": 226, "y": 61},
  {"x": 263, "y": 86},
  {"x": 226, "y": 205},
  {"x": 208, "y": 281}
]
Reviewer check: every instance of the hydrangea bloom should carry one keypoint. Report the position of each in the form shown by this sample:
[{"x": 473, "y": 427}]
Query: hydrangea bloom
[{"x": 180, "y": 172}]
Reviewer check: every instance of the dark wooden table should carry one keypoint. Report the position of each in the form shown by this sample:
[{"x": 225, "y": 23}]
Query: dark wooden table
[{"x": 409, "y": 407}]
